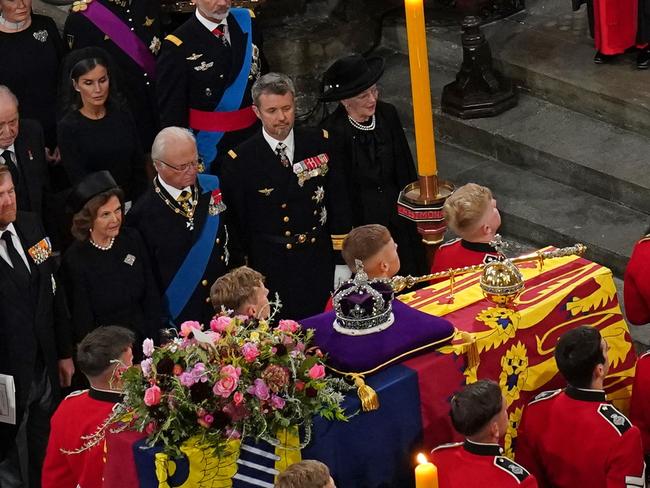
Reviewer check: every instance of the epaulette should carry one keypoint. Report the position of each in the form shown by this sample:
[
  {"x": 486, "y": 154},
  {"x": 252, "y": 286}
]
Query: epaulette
[
  {"x": 326, "y": 134},
  {"x": 449, "y": 243},
  {"x": 447, "y": 446},
  {"x": 75, "y": 393},
  {"x": 545, "y": 395},
  {"x": 616, "y": 419},
  {"x": 515, "y": 470},
  {"x": 232, "y": 154},
  {"x": 337, "y": 241},
  {"x": 250, "y": 10},
  {"x": 173, "y": 39}
]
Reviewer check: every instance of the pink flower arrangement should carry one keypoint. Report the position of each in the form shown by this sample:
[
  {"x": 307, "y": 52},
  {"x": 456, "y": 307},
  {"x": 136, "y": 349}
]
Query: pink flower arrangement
[
  {"x": 220, "y": 324},
  {"x": 147, "y": 347},
  {"x": 152, "y": 396},
  {"x": 288, "y": 326},
  {"x": 228, "y": 382},
  {"x": 317, "y": 371},
  {"x": 250, "y": 352},
  {"x": 188, "y": 326},
  {"x": 259, "y": 389}
]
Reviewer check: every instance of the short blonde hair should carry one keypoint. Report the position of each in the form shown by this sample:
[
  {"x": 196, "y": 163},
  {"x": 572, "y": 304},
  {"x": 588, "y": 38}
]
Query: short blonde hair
[
  {"x": 305, "y": 474},
  {"x": 363, "y": 243},
  {"x": 235, "y": 288},
  {"x": 466, "y": 206}
]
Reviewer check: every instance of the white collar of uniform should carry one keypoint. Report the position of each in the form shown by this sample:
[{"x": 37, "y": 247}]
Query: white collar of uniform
[
  {"x": 208, "y": 23},
  {"x": 289, "y": 142},
  {"x": 173, "y": 191}
]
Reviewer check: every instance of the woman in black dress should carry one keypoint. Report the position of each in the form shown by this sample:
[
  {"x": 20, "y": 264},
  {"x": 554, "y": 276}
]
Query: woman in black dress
[
  {"x": 31, "y": 52},
  {"x": 97, "y": 133},
  {"x": 107, "y": 275},
  {"x": 368, "y": 137}
]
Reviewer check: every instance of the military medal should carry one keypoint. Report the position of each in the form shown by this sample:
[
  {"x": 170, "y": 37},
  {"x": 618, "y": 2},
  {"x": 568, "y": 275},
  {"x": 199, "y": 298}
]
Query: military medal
[
  {"x": 216, "y": 203},
  {"x": 40, "y": 251},
  {"x": 204, "y": 66},
  {"x": 319, "y": 194},
  {"x": 311, "y": 167},
  {"x": 185, "y": 208},
  {"x": 154, "y": 47}
]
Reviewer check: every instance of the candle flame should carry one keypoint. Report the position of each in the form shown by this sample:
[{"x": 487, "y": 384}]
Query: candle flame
[{"x": 422, "y": 459}]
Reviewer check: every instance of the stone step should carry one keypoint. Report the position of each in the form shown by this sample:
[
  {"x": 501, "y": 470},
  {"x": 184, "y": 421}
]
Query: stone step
[
  {"x": 544, "y": 212},
  {"x": 547, "y": 50},
  {"x": 546, "y": 139}
]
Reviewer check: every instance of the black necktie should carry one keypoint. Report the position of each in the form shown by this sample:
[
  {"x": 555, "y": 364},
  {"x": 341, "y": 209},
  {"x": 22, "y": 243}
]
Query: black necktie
[
  {"x": 17, "y": 262},
  {"x": 13, "y": 169}
]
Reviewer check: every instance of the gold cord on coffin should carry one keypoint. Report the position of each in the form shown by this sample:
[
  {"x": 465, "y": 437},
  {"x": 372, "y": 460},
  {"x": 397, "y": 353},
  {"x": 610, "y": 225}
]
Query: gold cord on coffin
[{"x": 400, "y": 283}]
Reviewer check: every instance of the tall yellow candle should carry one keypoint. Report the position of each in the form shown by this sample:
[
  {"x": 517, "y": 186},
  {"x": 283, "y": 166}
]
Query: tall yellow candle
[
  {"x": 420, "y": 88},
  {"x": 426, "y": 473}
]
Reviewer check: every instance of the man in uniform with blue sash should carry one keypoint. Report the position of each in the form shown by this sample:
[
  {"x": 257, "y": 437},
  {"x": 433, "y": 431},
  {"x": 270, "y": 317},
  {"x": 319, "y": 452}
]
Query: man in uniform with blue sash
[
  {"x": 205, "y": 72},
  {"x": 182, "y": 221}
]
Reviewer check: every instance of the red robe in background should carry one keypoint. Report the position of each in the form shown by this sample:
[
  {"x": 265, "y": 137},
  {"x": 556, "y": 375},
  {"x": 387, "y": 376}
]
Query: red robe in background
[
  {"x": 636, "y": 292},
  {"x": 615, "y": 25},
  {"x": 640, "y": 401}
]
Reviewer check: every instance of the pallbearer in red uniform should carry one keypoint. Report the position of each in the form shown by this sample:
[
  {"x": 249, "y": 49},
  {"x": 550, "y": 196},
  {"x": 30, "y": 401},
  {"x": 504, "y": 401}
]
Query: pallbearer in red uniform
[
  {"x": 471, "y": 213},
  {"x": 637, "y": 285},
  {"x": 479, "y": 413},
  {"x": 640, "y": 401},
  {"x": 574, "y": 437},
  {"x": 99, "y": 355}
]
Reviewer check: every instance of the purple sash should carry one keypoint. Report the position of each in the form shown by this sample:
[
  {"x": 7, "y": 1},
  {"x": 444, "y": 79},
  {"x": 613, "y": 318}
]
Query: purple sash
[{"x": 111, "y": 25}]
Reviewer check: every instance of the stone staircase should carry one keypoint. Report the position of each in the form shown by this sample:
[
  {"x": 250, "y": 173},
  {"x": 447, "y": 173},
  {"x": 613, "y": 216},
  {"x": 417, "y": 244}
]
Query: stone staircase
[{"x": 570, "y": 163}]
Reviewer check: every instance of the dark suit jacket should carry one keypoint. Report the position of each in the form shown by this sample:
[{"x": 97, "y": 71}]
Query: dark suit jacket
[
  {"x": 34, "y": 186},
  {"x": 168, "y": 240},
  {"x": 33, "y": 323},
  {"x": 270, "y": 208}
]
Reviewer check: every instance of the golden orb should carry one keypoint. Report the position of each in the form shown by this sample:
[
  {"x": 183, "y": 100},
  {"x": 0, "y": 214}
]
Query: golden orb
[{"x": 502, "y": 282}]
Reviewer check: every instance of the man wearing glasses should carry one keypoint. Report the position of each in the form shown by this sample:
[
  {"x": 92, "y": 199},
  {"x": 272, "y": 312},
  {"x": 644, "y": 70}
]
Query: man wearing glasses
[{"x": 182, "y": 221}]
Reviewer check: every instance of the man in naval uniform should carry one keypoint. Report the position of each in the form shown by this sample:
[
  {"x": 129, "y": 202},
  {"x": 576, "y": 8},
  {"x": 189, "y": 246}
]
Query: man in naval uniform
[
  {"x": 130, "y": 31},
  {"x": 288, "y": 199},
  {"x": 205, "y": 72},
  {"x": 575, "y": 437},
  {"x": 182, "y": 221},
  {"x": 479, "y": 413}
]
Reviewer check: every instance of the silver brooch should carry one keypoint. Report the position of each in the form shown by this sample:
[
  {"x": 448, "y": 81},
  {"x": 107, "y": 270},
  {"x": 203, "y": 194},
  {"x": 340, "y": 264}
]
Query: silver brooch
[
  {"x": 40, "y": 35},
  {"x": 129, "y": 259}
]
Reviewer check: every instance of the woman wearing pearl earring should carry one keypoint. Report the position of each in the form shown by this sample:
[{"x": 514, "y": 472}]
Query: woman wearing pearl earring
[{"x": 368, "y": 136}]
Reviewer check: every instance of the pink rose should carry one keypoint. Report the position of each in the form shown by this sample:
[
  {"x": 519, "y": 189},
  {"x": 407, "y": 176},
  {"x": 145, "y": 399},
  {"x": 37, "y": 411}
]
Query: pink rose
[
  {"x": 188, "y": 326},
  {"x": 228, "y": 382},
  {"x": 250, "y": 352},
  {"x": 277, "y": 402},
  {"x": 299, "y": 385},
  {"x": 288, "y": 326},
  {"x": 238, "y": 398},
  {"x": 205, "y": 421},
  {"x": 259, "y": 389},
  {"x": 220, "y": 324},
  {"x": 230, "y": 370},
  {"x": 317, "y": 371},
  {"x": 152, "y": 396},
  {"x": 147, "y": 347}
]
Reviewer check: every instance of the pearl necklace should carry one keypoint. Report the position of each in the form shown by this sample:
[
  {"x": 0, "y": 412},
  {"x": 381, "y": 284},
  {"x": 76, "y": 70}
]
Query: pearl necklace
[
  {"x": 12, "y": 25},
  {"x": 103, "y": 248},
  {"x": 359, "y": 126}
]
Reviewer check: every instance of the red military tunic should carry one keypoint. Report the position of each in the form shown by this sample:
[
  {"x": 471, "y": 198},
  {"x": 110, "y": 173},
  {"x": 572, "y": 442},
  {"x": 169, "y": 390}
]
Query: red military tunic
[
  {"x": 574, "y": 438},
  {"x": 615, "y": 25},
  {"x": 640, "y": 401},
  {"x": 636, "y": 292},
  {"x": 81, "y": 413},
  {"x": 469, "y": 464},
  {"x": 460, "y": 253}
]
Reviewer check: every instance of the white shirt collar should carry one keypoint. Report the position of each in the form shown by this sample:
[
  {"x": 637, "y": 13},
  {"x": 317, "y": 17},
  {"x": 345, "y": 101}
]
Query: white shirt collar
[
  {"x": 173, "y": 191},
  {"x": 208, "y": 23},
  {"x": 11, "y": 148},
  {"x": 9, "y": 228},
  {"x": 289, "y": 142}
]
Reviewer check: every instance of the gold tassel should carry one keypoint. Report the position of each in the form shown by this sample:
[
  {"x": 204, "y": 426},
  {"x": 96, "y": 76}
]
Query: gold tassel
[
  {"x": 471, "y": 350},
  {"x": 368, "y": 396}
]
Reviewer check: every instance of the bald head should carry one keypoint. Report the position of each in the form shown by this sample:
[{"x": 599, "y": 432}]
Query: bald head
[{"x": 8, "y": 117}]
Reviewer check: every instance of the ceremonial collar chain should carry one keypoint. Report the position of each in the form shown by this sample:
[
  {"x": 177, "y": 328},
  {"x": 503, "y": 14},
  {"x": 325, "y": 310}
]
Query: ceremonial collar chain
[
  {"x": 359, "y": 126},
  {"x": 102, "y": 248},
  {"x": 186, "y": 209},
  {"x": 12, "y": 25}
]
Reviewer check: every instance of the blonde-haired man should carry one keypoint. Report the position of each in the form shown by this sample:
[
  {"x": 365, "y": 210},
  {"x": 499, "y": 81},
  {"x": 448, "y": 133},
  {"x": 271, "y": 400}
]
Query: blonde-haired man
[{"x": 241, "y": 290}]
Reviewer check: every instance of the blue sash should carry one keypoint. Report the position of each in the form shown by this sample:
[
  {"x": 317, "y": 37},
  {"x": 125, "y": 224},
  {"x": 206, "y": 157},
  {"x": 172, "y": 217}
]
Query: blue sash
[
  {"x": 189, "y": 274},
  {"x": 207, "y": 141}
]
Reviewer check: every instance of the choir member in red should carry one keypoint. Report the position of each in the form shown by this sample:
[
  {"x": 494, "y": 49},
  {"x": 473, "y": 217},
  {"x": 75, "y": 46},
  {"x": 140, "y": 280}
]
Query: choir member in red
[
  {"x": 636, "y": 293},
  {"x": 479, "y": 413},
  {"x": 471, "y": 213},
  {"x": 574, "y": 437},
  {"x": 101, "y": 355}
]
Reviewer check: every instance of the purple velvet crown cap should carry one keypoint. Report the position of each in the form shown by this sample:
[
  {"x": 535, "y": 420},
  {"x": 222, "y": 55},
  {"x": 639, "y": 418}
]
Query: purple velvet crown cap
[{"x": 411, "y": 330}]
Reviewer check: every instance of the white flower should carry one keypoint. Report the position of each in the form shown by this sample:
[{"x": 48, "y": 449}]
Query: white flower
[
  {"x": 146, "y": 366},
  {"x": 147, "y": 347}
]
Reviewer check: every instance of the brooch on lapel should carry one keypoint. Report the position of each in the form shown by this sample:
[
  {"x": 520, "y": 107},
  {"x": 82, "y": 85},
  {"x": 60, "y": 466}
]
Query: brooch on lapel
[
  {"x": 204, "y": 66},
  {"x": 154, "y": 47},
  {"x": 53, "y": 284},
  {"x": 311, "y": 167},
  {"x": 41, "y": 251},
  {"x": 265, "y": 191},
  {"x": 216, "y": 203},
  {"x": 40, "y": 35},
  {"x": 129, "y": 259},
  {"x": 194, "y": 57}
]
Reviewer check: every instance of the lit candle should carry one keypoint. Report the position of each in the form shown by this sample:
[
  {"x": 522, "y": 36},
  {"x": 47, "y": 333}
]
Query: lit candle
[
  {"x": 420, "y": 88},
  {"x": 426, "y": 473}
]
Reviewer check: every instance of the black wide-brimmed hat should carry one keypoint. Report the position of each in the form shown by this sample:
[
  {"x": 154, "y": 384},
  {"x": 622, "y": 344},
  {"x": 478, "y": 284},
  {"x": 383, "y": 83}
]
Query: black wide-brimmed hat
[
  {"x": 351, "y": 75},
  {"x": 90, "y": 186}
]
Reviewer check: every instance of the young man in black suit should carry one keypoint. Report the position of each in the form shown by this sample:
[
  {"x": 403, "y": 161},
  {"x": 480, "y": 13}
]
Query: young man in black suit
[{"x": 35, "y": 343}]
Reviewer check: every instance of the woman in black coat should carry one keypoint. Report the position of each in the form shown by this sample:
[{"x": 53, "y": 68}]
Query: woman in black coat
[{"x": 368, "y": 137}]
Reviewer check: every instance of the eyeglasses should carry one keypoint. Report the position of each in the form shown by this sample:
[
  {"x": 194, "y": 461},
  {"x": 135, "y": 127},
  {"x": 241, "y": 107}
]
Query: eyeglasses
[
  {"x": 183, "y": 167},
  {"x": 364, "y": 96}
]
